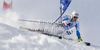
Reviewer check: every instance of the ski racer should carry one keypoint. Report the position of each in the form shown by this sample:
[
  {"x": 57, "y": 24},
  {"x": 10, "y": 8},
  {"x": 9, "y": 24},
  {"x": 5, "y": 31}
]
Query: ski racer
[{"x": 69, "y": 22}]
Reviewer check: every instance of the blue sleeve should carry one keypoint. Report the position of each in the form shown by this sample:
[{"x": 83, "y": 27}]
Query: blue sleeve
[{"x": 77, "y": 30}]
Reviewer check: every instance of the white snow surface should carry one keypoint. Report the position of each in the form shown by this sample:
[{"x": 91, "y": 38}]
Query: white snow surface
[{"x": 14, "y": 39}]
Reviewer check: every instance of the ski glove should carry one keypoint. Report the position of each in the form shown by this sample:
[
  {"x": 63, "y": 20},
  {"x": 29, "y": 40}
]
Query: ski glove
[
  {"x": 69, "y": 24},
  {"x": 79, "y": 39}
]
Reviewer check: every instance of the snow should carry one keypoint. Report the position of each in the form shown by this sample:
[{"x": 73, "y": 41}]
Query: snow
[{"x": 14, "y": 39}]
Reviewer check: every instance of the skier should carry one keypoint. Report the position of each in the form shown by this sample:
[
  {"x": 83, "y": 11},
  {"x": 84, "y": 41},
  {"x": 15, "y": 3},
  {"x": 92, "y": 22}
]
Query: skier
[{"x": 69, "y": 22}]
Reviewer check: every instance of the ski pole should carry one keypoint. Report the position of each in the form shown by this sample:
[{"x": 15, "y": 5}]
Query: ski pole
[{"x": 58, "y": 18}]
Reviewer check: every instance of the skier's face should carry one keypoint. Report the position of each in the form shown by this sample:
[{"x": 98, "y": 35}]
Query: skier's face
[{"x": 74, "y": 18}]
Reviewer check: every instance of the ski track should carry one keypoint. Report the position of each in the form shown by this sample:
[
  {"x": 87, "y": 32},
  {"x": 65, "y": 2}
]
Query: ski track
[{"x": 15, "y": 39}]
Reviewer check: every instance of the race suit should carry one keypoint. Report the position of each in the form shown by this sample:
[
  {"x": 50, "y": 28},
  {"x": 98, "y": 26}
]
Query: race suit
[{"x": 68, "y": 24}]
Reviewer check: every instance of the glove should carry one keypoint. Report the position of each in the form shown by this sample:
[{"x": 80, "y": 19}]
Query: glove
[
  {"x": 69, "y": 24},
  {"x": 79, "y": 39}
]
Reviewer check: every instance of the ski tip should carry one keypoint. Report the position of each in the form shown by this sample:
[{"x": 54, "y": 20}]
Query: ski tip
[{"x": 87, "y": 44}]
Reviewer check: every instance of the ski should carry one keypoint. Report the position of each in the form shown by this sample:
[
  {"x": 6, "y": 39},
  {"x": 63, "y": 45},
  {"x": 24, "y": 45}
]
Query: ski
[
  {"x": 39, "y": 22},
  {"x": 87, "y": 43},
  {"x": 52, "y": 35},
  {"x": 42, "y": 32}
]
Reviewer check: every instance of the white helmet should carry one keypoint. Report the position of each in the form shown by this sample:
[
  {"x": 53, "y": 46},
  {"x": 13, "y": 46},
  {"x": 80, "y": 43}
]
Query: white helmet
[{"x": 74, "y": 13}]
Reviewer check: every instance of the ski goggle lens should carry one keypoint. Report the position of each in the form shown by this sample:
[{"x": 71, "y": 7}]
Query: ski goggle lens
[{"x": 75, "y": 17}]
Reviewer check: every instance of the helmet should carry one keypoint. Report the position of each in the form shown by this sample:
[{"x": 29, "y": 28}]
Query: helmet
[{"x": 74, "y": 13}]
